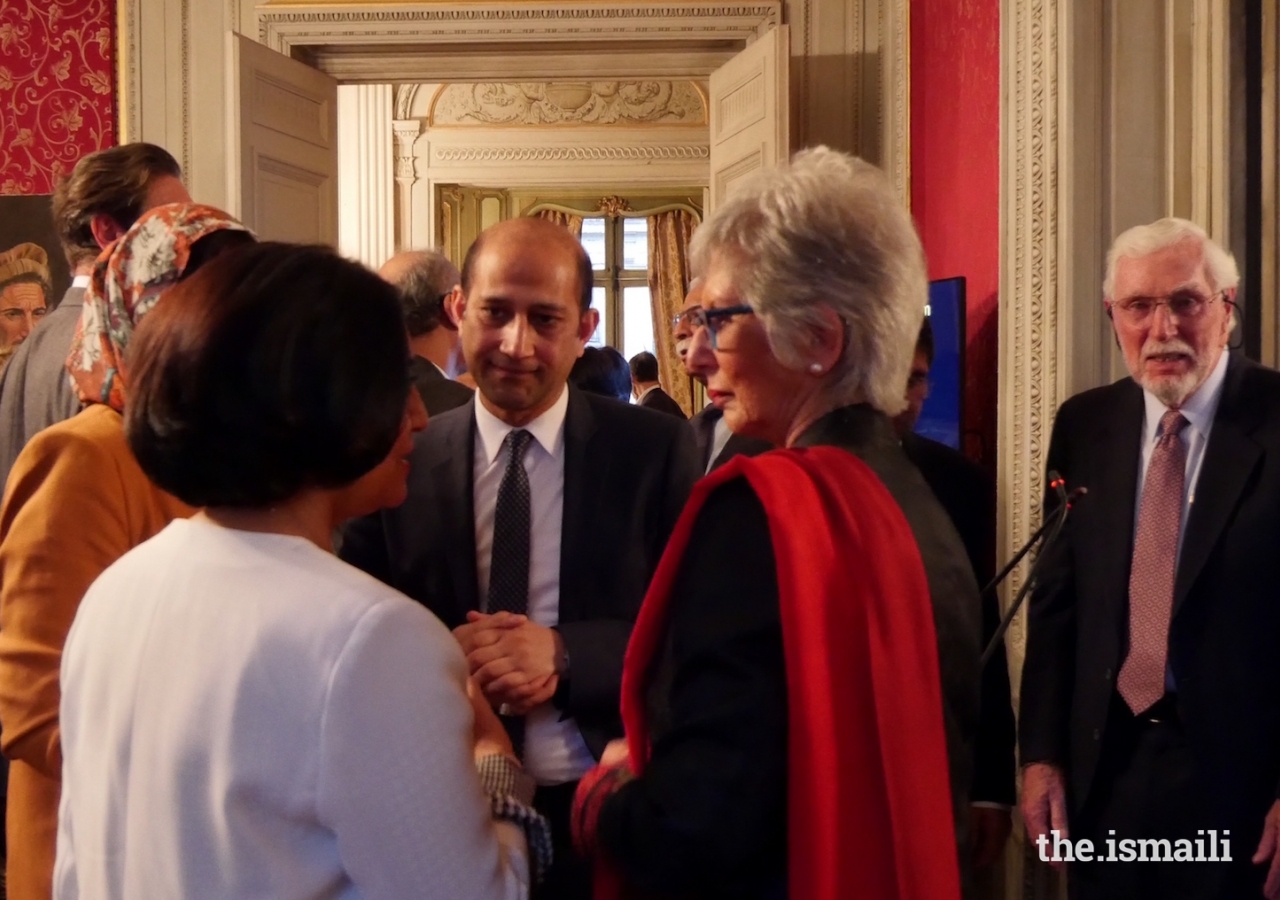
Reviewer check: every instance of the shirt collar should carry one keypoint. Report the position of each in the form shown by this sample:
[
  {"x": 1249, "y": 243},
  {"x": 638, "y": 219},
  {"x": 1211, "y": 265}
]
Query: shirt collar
[
  {"x": 647, "y": 391},
  {"x": 1200, "y": 407},
  {"x": 81, "y": 281},
  {"x": 547, "y": 429}
]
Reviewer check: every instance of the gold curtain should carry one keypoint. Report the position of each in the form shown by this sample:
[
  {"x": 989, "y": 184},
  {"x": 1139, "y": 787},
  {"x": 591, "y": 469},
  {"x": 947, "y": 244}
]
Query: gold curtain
[
  {"x": 669, "y": 234},
  {"x": 568, "y": 220}
]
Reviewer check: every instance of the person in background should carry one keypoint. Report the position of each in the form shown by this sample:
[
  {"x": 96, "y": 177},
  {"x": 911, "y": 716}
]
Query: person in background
[
  {"x": 603, "y": 371},
  {"x": 255, "y": 716},
  {"x": 99, "y": 201},
  {"x": 1149, "y": 694},
  {"x": 426, "y": 281},
  {"x": 968, "y": 494},
  {"x": 645, "y": 386},
  {"x": 76, "y": 501},
  {"x": 536, "y": 516},
  {"x": 24, "y": 294},
  {"x": 810, "y": 639},
  {"x": 716, "y": 443}
]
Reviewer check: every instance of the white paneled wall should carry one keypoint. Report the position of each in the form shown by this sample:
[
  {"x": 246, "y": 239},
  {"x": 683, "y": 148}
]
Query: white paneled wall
[{"x": 366, "y": 173}]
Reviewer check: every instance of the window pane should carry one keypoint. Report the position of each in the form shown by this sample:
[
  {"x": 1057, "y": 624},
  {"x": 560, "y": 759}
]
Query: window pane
[
  {"x": 598, "y": 304},
  {"x": 637, "y": 321},
  {"x": 593, "y": 240},
  {"x": 635, "y": 243}
]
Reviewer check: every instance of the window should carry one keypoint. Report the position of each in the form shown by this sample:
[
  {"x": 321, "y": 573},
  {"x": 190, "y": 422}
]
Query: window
[{"x": 619, "y": 251}]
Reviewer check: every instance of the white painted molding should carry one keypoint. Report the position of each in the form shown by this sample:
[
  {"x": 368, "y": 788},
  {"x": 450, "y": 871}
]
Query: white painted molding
[
  {"x": 406, "y": 134},
  {"x": 363, "y": 23},
  {"x": 570, "y": 154},
  {"x": 366, "y": 216},
  {"x": 1029, "y": 295}
]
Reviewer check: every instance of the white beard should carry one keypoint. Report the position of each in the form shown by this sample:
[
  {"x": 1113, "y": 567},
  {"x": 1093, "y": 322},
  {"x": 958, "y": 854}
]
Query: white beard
[{"x": 1173, "y": 391}]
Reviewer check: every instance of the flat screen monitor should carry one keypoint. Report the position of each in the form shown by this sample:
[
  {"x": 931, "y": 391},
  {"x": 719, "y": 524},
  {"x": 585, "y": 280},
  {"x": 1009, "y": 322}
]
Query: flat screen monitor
[{"x": 942, "y": 418}]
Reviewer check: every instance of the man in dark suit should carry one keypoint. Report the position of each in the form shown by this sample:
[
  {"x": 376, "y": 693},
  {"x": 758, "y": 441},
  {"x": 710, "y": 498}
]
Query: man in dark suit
[
  {"x": 645, "y": 386},
  {"x": 1149, "y": 693},
  {"x": 426, "y": 281},
  {"x": 101, "y": 198},
  {"x": 716, "y": 443},
  {"x": 536, "y": 516},
  {"x": 968, "y": 495}
]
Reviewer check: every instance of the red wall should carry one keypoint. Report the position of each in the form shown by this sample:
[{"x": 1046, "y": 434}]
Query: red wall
[
  {"x": 57, "y": 88},
  {"x": 955, "y": 178}
]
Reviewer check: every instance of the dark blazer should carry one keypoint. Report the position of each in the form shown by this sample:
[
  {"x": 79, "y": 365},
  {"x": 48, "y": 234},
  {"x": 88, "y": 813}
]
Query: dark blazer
[
  {"x": 704, "y": 432},
  {"x": 660, "y": 400},
  {"x": 439, "y": 394},
  {"x": 968, "y": 495},
  {"x": 628, "y": 473},
  {"x": 1224, "y": 637},
  {"x": 35, "y": 389}
]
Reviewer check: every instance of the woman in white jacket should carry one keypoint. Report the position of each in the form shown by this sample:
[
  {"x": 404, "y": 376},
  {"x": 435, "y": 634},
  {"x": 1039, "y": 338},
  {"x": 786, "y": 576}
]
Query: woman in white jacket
[{"x": 244, "y": 715}]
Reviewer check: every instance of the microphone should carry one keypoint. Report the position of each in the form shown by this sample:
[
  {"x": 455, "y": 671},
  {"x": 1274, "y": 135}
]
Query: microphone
[
  {"x": 1058, "y": 484},
  {"x": 1055, "y": 520}
]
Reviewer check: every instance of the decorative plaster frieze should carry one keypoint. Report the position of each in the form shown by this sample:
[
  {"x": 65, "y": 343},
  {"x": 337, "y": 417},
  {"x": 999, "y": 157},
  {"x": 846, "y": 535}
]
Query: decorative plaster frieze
[
  {"x": 570, "y": 154},
  {"x": 405, "y": 95},
  {"x": 570, "y": 103}
]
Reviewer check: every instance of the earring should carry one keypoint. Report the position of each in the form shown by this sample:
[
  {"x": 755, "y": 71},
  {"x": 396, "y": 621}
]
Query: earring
[{"x": 815, "y": 368}]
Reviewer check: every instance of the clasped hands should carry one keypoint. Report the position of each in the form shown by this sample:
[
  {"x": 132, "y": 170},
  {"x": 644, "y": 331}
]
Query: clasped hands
[{"x": 513, "y": 660}]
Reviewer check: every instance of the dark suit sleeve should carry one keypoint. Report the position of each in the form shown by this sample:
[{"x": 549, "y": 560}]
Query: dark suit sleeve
[
  {"x": 596, "y": 646},
  {"x": 1049, "y": 670},
  {"x": 710, "y": 808}
]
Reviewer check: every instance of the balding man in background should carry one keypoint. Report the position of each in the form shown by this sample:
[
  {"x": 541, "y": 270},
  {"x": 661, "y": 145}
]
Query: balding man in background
[{"x": 426, "y": 280}]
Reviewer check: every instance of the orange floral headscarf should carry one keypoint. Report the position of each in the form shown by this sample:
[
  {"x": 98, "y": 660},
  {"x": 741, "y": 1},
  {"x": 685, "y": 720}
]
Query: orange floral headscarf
[{"x": 128, "y": 279}]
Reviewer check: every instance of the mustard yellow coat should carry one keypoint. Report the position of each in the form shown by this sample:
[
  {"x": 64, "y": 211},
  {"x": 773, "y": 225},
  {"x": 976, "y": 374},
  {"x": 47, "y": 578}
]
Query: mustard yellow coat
[{"x": 75, "y": 502}]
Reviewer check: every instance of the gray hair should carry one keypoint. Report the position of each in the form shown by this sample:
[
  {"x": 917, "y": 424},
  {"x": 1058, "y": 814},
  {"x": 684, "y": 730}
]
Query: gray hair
[
  {"x": 1143, "y": 240},
  {"x": 827, "y": 230},
  {"x": 423, "y": 287}
]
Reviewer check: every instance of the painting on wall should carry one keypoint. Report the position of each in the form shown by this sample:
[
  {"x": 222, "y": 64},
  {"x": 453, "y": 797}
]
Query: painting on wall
[{"x": 33, "y": 270}]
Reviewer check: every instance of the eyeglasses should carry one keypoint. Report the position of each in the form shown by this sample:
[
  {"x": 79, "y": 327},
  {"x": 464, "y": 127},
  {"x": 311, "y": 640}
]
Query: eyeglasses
[
  {"x": 1185, "y": 306},
  {"x": 713, "y": 320}
]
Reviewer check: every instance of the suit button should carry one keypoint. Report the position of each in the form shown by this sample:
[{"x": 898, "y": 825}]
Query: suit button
[
  {"x": 1097, "y": 735},
  {"x": 1106, "y": 676}
]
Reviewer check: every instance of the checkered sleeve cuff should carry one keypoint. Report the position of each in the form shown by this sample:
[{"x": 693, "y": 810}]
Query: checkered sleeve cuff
[{"x": 510, "y": 793}]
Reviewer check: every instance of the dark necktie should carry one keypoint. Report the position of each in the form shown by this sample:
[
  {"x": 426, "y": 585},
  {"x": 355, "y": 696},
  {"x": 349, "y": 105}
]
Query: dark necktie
[
  {"x": 509, "y": 557},
  {"x": 509, "y": 560},
  {"x": 1151, "y": 577}
]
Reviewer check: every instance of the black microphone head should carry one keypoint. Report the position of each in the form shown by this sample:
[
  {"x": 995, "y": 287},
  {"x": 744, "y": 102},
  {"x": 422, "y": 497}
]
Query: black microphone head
[{"x": 1058, "y": 484}]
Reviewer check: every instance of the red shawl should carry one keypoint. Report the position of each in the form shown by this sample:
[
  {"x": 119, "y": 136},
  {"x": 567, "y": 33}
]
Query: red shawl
[{"x": 869, "y": 795}]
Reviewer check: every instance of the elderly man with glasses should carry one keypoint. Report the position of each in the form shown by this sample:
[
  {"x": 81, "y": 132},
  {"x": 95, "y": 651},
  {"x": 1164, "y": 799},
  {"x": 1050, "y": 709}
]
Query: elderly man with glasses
[{"x": 1150, "y": 724}]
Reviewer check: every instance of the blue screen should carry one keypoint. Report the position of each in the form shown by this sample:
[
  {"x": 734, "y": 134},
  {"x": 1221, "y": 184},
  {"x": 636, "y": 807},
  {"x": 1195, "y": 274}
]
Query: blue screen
[{"x": 942, "y": 416}]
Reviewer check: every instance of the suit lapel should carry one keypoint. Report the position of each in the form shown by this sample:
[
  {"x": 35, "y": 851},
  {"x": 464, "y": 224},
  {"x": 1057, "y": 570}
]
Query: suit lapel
[
  {"x": 1229, "y": 460},
  {"x": 584, "y": 477},
  {"x": 454, "y": 476},
  {"x": 704, "y": 432},
  {"x": 1115, "y": 490}
]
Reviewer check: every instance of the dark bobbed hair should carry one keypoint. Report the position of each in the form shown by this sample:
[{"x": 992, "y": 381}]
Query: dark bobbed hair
[
  {"x": 644, "y": 367},
  {"x": 586, "y": 275},
  {"x": 602, "y": 370},
  {"x": 273, "y": 369}
]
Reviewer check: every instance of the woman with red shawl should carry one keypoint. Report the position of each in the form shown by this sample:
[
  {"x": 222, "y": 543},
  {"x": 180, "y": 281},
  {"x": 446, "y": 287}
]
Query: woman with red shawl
[{"x": 801, "y": 688}]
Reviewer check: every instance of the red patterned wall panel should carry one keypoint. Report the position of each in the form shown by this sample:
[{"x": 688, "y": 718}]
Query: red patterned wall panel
[
  {"x": 955, "y": 179},
  {"x": 57, "y": 88}
]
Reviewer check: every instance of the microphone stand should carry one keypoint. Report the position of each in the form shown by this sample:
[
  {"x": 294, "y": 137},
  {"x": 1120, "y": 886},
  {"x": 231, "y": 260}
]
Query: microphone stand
[{"x": 1056, "y": 522}]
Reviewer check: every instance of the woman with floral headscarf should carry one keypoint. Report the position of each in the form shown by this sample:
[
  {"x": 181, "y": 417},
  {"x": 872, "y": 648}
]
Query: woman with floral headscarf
[{"x": 75, "y": 502}]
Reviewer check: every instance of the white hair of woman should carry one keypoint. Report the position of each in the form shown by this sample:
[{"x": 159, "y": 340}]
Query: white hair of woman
[
  {"x": 1143, "y": 240},
  {"x": 827, "y": 229}
]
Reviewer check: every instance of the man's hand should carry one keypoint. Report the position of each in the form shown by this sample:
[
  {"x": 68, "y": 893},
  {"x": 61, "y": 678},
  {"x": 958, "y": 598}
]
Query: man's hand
[
  {"x": 616, "y": 753},
  {"x": 482, "y": 629},
  {"x": 1044, "y": 802},
  {"x": 989, "y": 828},
  {"x": 1269, "y": 849}
]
